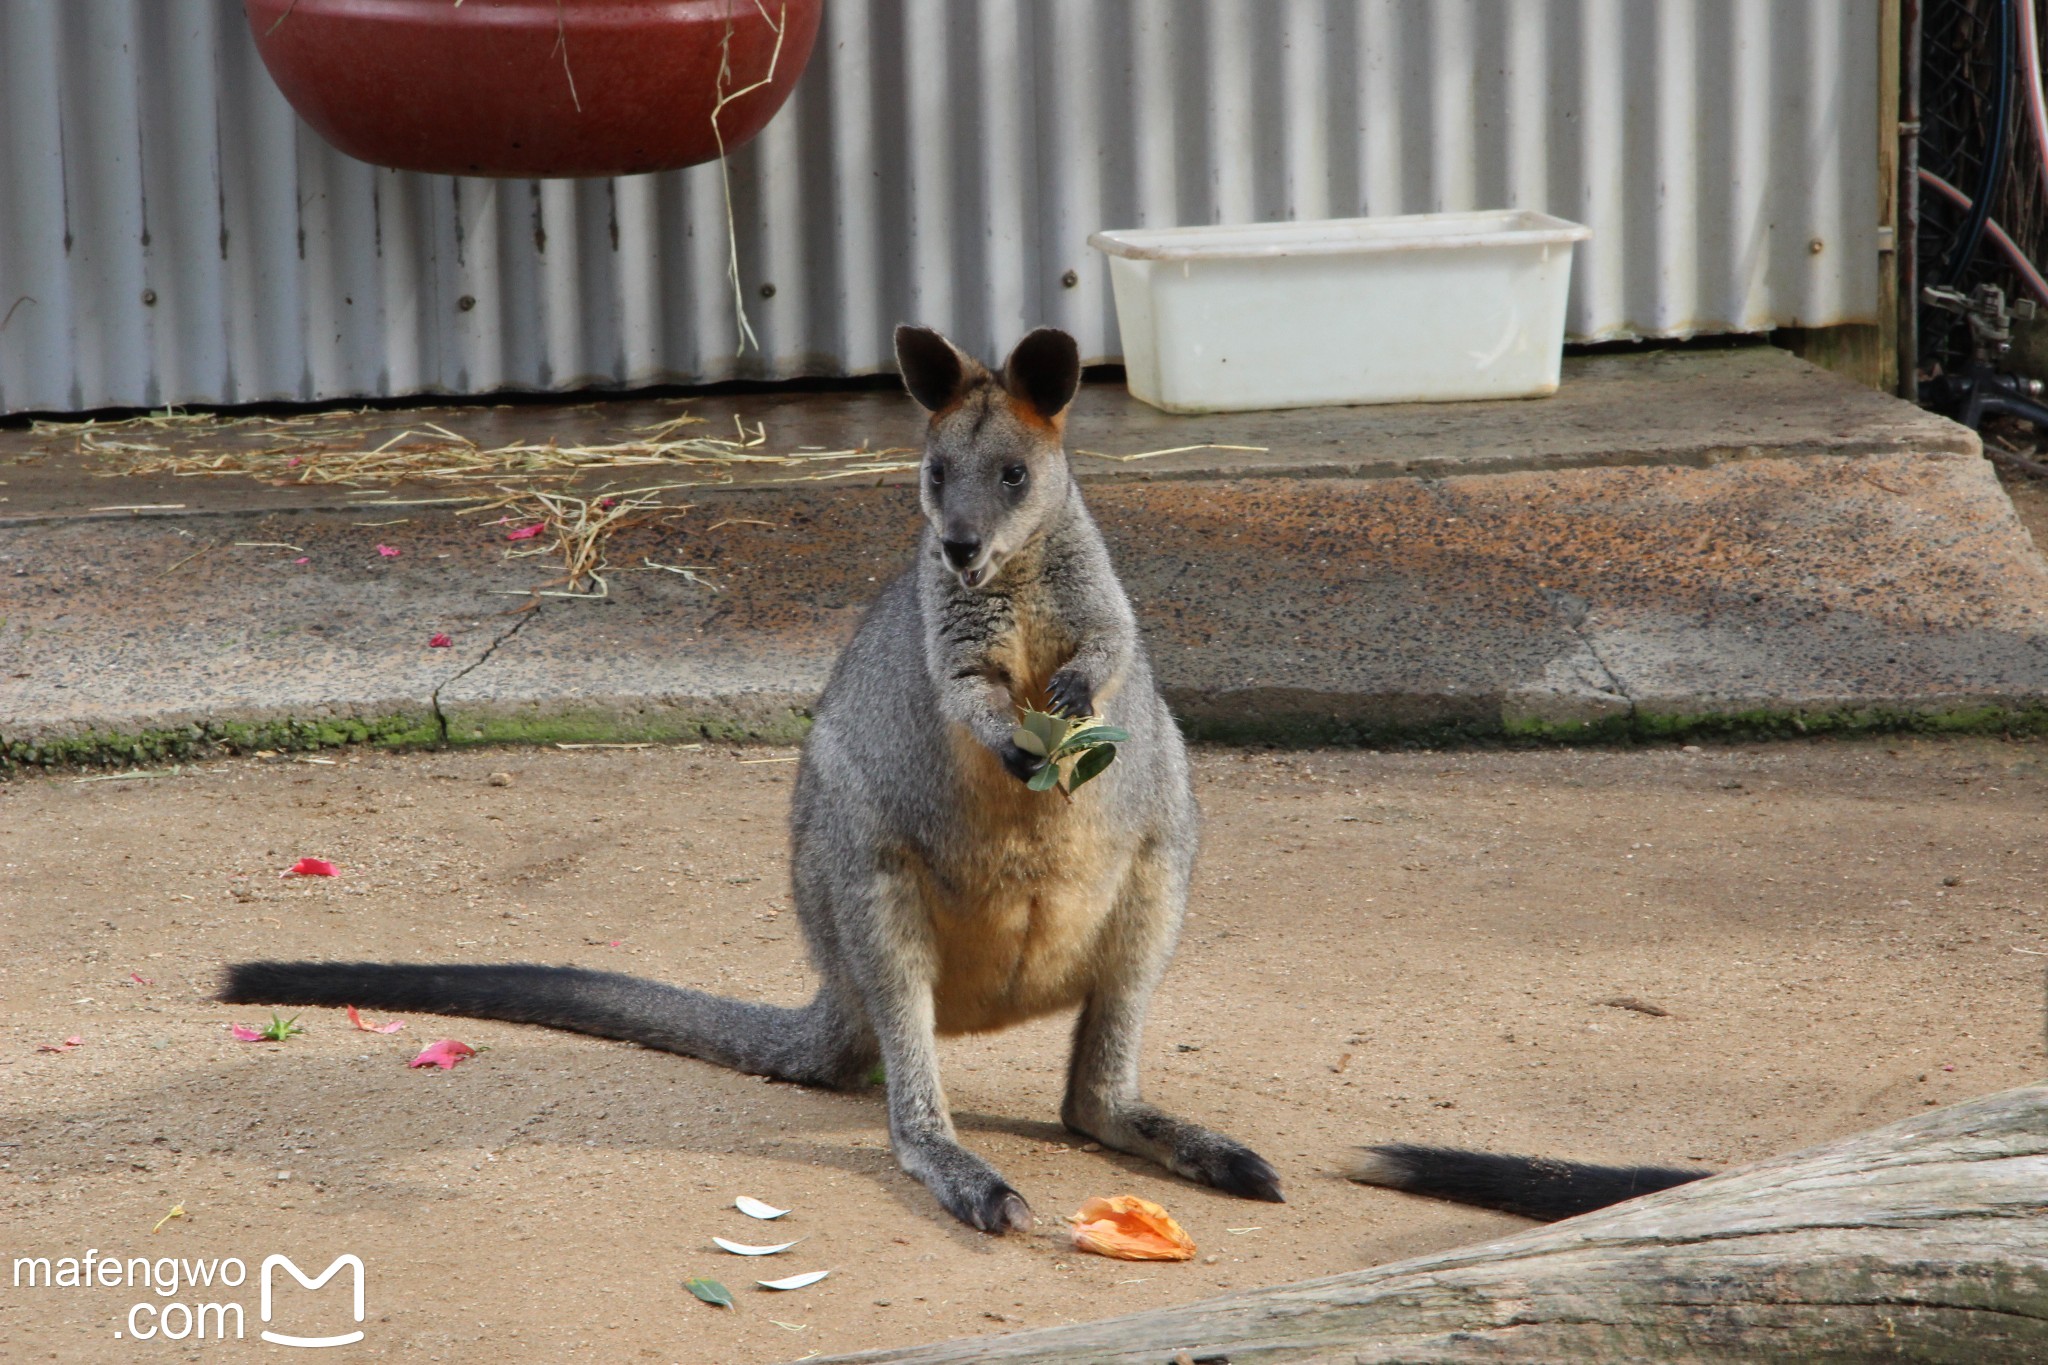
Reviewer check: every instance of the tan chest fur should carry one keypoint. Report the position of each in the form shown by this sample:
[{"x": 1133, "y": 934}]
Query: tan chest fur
[
  {"x": 1017, "y": 919},
  {"x": 1033, "y": 650}
]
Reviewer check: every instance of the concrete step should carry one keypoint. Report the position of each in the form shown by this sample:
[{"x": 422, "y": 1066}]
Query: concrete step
[{"x": 1864, "y": 571}]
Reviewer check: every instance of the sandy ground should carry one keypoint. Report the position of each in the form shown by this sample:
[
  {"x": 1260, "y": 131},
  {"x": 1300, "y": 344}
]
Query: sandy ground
[
  {"x": 1381, "y": 945},
  {"x": 2030, "y": 499}
]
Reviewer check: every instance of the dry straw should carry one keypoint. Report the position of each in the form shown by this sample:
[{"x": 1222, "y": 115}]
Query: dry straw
[{"x": 526, "y": 480}]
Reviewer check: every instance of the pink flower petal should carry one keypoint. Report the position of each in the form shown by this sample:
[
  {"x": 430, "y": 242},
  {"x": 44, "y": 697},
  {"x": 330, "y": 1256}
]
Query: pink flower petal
[
  {"x": 388, "y": 551},
  {"x": 527, "y": 532},
  {"x": 73, "y": 1041},
  {"x": 444, "y": 1054},
  {"x": 439, "y": 642},
  {"x": 244, "y": 1034},
  {"x": 293, "y": 463},
  {"x": 312, "y": 867},
  {"x": 357, "y": 1020},
  {"x": 302, "y": 559},
  {"x": 139, "y": 979}
]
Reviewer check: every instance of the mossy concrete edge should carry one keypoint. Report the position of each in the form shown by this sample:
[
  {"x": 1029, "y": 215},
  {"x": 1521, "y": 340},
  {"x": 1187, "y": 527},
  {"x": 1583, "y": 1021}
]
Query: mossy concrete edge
[{"x": 110, "y": 747}]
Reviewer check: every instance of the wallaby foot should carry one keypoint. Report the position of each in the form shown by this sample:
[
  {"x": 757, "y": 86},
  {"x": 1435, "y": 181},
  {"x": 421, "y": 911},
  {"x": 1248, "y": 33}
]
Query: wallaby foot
[
  {"x": 969, "y": 1188},
  {"x": 1187, "y": 1149}
]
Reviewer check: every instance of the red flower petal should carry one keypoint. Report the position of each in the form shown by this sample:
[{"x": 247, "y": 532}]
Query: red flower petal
[
  {"x": 139, "y": 979},
  {"x": 244, "y": 1034},
  {"x": 527, "y": 532},
  {"x": 357, "y": 1020},
  {"x": 388, "y": 551},
  {"x": 444, "y": 1054},
  {"x": 312, "y": 867},
  {"x": 439, "y": 642}
]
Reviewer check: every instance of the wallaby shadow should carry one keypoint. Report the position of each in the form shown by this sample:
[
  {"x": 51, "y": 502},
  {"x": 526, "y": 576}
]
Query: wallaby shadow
[{"x": 361, "y": 1123}]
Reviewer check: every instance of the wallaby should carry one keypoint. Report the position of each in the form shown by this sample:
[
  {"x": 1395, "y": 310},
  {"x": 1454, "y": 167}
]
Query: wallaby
[
  {"x": 1531, "y": 1186},
  {"x": 938, "y": 894}
]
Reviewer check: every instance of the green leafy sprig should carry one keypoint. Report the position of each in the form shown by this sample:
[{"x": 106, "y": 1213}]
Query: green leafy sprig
[
  {"x": 1075, "y": 748},
  {"x": 279, "y": 1028}
]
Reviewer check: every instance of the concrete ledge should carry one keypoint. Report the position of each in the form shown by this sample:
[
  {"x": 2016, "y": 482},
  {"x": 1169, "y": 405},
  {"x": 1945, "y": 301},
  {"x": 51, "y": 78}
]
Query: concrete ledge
[
  {"x": 1677, "y": 408},
  {"x": 1769, "y": 596}
]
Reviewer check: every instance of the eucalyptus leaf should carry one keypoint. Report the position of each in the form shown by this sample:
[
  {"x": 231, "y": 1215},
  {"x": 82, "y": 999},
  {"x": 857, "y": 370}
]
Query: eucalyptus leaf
[
  {"x": 1092, "y": 736},
  {"x": 711, "y": 1291},
  {"x": 809, "y": 1277},
  {"x": 1091, "y": 764},
  {"x": 1086, "y": 744}
]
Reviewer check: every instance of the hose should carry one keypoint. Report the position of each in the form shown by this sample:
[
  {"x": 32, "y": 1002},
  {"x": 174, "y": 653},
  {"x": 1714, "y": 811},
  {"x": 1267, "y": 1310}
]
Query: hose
[
  {"x": 2036, "y": 284},
  {"x": 2037, "y": 104},
  {"x": 1972, "y": 235}
]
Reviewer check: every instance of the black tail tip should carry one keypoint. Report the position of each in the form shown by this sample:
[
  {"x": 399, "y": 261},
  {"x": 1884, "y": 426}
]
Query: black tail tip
[
  {"x": 249, "y": 983},
  {"x": 1530, "y": 1187}
]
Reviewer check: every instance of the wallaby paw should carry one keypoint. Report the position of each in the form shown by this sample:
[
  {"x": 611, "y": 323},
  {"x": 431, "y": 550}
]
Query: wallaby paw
[
  {"x": 993, "y": 1208},
  {"x": 1250, "y": 1176},
  {"x": 969, "y": 1188},
  {"x": 1019, "y": 764},
  {"x": 1010, "y": 1214},
  {"x": 1070, "y": 695},
  {"x": 1233, "y": 1169}
]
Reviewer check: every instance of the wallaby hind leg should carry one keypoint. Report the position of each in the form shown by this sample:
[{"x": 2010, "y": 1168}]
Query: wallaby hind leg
[
  {"x": 1103, "y": 1100},
  {"x": 894, "y": 967}
]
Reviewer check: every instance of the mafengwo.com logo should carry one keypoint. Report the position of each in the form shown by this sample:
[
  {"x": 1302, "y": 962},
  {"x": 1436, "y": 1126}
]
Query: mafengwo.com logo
[{"x": 201, "y": 1299}]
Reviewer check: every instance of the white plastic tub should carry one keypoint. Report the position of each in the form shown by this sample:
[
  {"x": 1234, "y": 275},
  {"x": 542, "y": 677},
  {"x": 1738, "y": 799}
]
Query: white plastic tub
[{"x": 1422, "y": 308}]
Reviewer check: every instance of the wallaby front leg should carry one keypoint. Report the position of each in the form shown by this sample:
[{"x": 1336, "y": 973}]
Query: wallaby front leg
[
  {"x": 896, "y": 974},
  {"x": 1088, "y": 679},
  {"x": 1103, "y": 1099},
  {"x": 989, "y": 712}
]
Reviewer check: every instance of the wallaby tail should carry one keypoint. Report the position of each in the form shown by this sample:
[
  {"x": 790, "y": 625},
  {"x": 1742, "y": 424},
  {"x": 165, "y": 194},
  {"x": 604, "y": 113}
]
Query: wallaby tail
[
  {"x": 1532, "y": 1186},
  {"x": 816, "y": 1043}
]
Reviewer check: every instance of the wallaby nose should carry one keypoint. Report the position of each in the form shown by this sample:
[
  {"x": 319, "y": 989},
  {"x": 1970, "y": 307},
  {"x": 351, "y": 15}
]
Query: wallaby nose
[{"x": 961, "y": 552}]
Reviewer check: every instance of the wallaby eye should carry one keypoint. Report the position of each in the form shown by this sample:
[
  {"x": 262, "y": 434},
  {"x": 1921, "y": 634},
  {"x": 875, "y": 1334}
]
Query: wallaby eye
[
  {"x": 938, "y": 474},
  {"x": 1013, "y": 476}
]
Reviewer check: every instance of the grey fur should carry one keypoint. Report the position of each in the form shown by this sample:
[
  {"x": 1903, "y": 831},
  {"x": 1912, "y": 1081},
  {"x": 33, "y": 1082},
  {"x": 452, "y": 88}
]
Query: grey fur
[{"x": 901, "y": 816}]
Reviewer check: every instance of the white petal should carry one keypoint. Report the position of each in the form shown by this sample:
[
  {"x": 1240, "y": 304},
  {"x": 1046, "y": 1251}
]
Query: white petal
[
  {"x": 795, "y": 1281},
  {"x": 739, "y": 1250},
  {"x": 754, "y": 1208}
]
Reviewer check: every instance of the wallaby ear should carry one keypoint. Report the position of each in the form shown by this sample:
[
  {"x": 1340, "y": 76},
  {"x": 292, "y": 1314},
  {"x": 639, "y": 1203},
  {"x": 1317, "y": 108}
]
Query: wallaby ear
[
  {"x": 933, "y": 369},
  {"x": 1044, "y": 371}
]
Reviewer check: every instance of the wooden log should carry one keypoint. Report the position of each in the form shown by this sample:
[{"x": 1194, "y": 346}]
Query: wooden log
[{"x": 1923, "y": 1241}]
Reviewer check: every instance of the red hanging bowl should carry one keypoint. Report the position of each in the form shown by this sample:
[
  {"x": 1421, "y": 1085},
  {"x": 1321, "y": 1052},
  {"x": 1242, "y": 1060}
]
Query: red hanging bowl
[{"x": 533, "y": 87}]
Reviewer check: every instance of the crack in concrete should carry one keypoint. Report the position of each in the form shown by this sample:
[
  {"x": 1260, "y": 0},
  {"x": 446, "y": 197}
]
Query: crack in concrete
[
  {"x": 434, "y": 698},
  {"x": 1573, "y": 611}
]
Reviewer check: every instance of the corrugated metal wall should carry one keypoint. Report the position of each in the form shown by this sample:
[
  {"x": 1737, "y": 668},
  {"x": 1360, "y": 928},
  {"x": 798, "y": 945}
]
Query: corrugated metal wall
[{"x": 170, "y": 233}]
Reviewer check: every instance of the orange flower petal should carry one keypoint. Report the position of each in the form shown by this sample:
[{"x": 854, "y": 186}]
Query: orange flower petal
[{"x": 1130, "y": 1229}]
